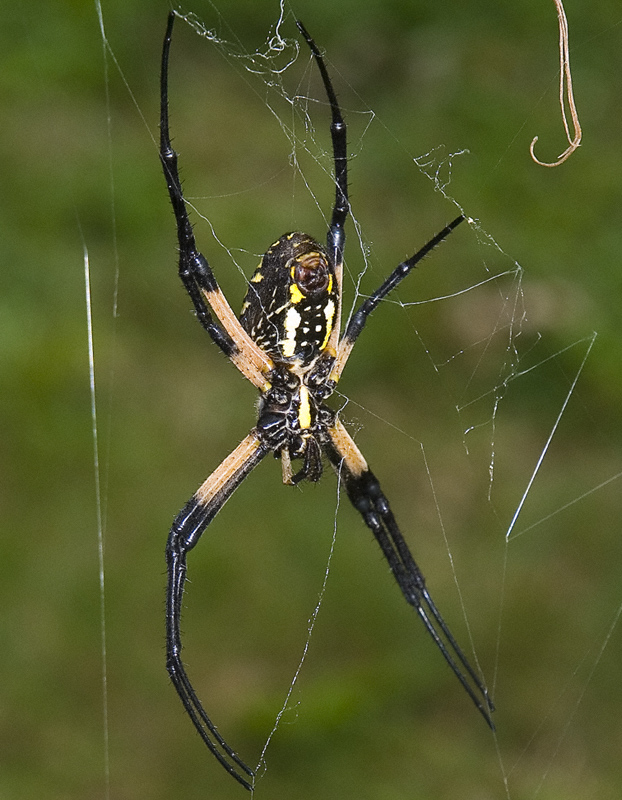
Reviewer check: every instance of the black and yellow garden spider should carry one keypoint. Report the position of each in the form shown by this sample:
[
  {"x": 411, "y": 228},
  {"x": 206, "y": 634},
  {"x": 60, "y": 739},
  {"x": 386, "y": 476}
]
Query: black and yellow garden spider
[{"x": 287, "y": 342}]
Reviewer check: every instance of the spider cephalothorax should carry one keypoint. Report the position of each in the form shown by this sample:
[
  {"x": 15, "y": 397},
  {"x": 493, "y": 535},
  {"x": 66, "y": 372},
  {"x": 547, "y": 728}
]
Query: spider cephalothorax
[
  {"x": 288, "y": 343},
  {"x": 293, "y": 421}
]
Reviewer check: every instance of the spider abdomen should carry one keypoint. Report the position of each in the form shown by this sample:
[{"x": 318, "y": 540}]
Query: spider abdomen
[{"x": 291, "y": 303}]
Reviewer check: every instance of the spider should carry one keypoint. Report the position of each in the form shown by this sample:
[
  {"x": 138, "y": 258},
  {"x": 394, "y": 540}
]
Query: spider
[{"x": 288, "y": 343}]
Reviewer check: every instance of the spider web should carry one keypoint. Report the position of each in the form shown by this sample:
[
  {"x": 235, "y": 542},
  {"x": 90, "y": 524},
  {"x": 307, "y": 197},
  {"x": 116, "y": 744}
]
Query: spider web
[{"x": 466, "y": 398}]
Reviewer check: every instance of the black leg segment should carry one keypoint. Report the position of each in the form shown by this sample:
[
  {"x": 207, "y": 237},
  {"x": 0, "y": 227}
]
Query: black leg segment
[
  {"x": 187, "y": 529},
  {"x": 194, "y": 270},
  {"x": 336, "y": 232},
  {"x": 366, "y": 496},
  {"x": 359, "y": 318}
]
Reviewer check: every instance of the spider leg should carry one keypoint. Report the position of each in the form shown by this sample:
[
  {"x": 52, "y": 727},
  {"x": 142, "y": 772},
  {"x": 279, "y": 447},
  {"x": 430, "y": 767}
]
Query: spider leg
[
  {"x": 366, "y": 496},
  {"x": 194, "y": 270},
  {"x": 187, "y": 528},
  {"x": 360, "y": 316},
  {"x": 336, "y": 236}
]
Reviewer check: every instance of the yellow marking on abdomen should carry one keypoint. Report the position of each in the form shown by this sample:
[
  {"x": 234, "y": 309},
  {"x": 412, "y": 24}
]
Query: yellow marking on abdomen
[
  {"x": 329, "y": 313},
  {"x": 295, "y": 293},
  {"x": 292, "y": 321},
  {"x": 304, "y": 409}
]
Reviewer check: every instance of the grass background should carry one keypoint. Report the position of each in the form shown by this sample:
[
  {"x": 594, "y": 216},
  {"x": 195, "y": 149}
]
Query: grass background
[{"x": 377, "y": 715}]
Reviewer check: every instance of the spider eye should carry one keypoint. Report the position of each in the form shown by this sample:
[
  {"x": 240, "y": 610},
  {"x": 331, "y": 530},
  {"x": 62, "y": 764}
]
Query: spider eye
[{"x": 311, "y": 273}]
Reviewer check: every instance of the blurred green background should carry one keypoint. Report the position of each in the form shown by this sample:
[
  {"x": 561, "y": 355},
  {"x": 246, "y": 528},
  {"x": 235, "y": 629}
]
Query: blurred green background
[{"x": 375, "y": 713}]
